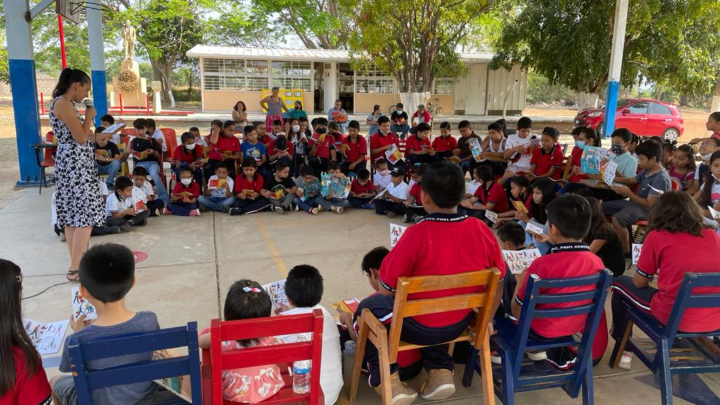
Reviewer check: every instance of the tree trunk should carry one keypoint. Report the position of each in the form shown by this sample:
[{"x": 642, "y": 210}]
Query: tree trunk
[
  {"x": 162, "y": 72},
  {"x": 587, "y": 100},
  {"x": 412, "y": 100},
  {"x": 715, "y": 103},
  {"x": 683, "y": 100},
  {"x": 658, "y": 96}
]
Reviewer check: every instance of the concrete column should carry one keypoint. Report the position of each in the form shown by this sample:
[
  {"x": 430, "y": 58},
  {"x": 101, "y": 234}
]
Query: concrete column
[
  {"x": 24, "y": 89},
  {"x": 616, "y": 57},
  {"x": 97, "y": 58},
  {"x": 331, "y": 88}
]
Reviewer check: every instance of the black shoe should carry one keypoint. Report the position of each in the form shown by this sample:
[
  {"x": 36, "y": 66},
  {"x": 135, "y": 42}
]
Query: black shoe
[
  {"x": 153, "y": 213},
  {"x": 142, "y": 223},
  {"x": 235, "y": 211},
  {"x": 111, "y": 230},
  {"x": 125, "y": 227}
]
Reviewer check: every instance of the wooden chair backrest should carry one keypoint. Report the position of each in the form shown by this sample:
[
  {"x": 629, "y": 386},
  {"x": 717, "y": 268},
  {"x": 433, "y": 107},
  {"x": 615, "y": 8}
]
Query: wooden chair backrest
[{"x": 480, "y": 301}]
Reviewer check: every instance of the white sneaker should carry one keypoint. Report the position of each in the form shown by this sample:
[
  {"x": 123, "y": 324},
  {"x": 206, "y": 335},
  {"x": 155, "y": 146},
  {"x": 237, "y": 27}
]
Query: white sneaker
[
  {"x": 337, "y": 210},
  {"x": 279, "y": 210},
  {"x": 626, "y": 361},
  {"x": 536, "y": 355},
  {"x": 314, "y": 211}
]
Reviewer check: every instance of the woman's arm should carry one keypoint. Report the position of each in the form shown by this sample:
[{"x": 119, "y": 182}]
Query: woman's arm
[
  {"x": 80, "y": 130},
  {"x": 597, "y": 244},
  {"x": 263, "y": 103}
]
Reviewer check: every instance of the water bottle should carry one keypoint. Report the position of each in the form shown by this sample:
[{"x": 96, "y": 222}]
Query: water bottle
[{"x": 301, "y": 373}]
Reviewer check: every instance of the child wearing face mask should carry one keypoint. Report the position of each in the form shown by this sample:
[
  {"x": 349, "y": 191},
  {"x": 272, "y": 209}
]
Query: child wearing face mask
[
  {"x": 706, "y": 149},
  {"x": 382, "y": 177},
  {"x": 322, "y": 147},
  {"x": 298, "y": 135},
  {"x": 188, "y": 154},
  {"x": 183, "y": 200}
]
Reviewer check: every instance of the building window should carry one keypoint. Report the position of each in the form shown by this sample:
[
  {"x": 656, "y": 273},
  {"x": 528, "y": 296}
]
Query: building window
[
  {"x": 374, "y": 80},
  {"x": 292, "y": 75},
  {"x": 224, "y": 74},
  {"x": 444, "y": 86}
]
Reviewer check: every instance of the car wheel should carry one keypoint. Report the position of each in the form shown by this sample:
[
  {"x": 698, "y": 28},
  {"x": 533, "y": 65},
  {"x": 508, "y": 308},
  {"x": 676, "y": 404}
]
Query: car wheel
[
  {"x": 671, "y": 135},
  {"x": 599, "y": 130}
]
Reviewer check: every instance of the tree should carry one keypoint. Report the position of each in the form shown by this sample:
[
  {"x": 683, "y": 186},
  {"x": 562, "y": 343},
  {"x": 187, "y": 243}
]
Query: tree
[
  {"x": 4, "y": 68},
  {"x": 320, "y": 24},
  {"x": 167, "y": 29},
  {"x": 415, "y": 40},
  {"x": 240, "y": 24}
]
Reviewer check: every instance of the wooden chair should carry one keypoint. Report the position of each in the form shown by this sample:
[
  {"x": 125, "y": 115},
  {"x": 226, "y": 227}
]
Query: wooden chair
[
  {"x": 673, "y": 351},
  {"x": 389, "y": 345},
  {"x": 512, "y": 340},
  {"x": 215, "y": 360},
  {"x": 86, "y": 380}
]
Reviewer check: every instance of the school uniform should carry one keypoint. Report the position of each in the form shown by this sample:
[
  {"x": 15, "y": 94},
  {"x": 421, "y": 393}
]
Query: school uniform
[
  {"x": 444, "y": 146},
  {"x": 114, "y": 204},
  {"x": 545, "y": 160},
  {"x": 400, "y": 191},
  {"x": 150, "y": 163},
  {"x": 670, "y": 256},
  {"x": 576, "y": 160},
  {"x": 216, "y": 155},
  {"x": 354, "y": 151},
  {"x": 416, "y": 144},
  {"x": 280, "y": 191},
  {"x": 154, "y": 205},
  {"x": 410, "y": 212},
  {"x": 192, "y": 158},
  {"x": 493, "y": 194},
  {"x": 218, "y": 200},
  {"x": 180, "y": 207},
  {"x": 437, "y": 245},
  {"x": 380, "y": 140},
  {"x": 248, "y": 205},
  {"x": 627, "y": 212},
  {"x": 319, "y": 161},
  {"x": 356, "y": 188},
  {"x": 271, "y": 150}
]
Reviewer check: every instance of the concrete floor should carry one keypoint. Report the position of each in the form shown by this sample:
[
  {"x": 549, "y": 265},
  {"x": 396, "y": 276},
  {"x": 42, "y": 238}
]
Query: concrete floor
[{"x": 192, "y": 261}]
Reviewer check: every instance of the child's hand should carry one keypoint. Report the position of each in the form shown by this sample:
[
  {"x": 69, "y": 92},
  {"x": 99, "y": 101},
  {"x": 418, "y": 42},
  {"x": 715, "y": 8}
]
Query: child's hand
[
  {"x": 541, "y": 237},
  {"x": 345, "y": 318},
  {"x": 522, "y": 216},
  {"x": 466, "y": 203},
  {"x": 623, "y": 191},
  {"x": 80, "y": 323},
  {"x": 575, "y": 170},
  {"x": 173, "y": 198}
]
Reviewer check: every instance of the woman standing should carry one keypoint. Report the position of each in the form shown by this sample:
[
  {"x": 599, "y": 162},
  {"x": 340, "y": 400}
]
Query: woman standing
[
  {"x": 274, "y": 105},
  {"x": 22, "y": 377},
  {"x": 79, "y": 203},
  {"x": 239, "y": 115}
]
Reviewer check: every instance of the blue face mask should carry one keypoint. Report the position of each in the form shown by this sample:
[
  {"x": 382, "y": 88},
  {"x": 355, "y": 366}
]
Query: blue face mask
[{"x": 580, "y": 144}]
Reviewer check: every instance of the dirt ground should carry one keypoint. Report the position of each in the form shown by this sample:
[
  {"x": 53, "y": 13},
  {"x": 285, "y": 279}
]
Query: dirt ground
[{"x": 694, "y": 127}]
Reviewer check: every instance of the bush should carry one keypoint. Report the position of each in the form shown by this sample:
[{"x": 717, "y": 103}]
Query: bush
[
  {"x": 539, "y": 90},
  {"x": 182, "y": 94}
]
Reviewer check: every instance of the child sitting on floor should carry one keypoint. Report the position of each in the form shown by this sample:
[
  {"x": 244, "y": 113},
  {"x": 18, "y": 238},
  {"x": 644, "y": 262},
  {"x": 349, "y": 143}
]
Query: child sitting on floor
[
  {"x": 126, "y": 206},
  {"x": 330, "y": 202},
  {"x": 490, "y": 196},
  {"x": 382, "y": 176},
  {"x": 247, "y": 191},
  {"x": 391, "y": 201},
  {"x": 517, "y": 149},
  {"x": 706, "y": 149},
  {"x": 542, "y": 194},
  {"x": 97, "y": 230},
  {"x": 280, "y": 189},
  {"x": 520, "y": 192},
  {"x": 413, "y": 205},
  {"x": 183, "y": 200},
  {"x": 362, "y": 191},
  {"x": 682, "y": 168},
  {"x": 107, "y": 274},
  {"x": 547, "y": 160},
  {"x": 141, "y": 183},
  {"x": 219, "y": 191},
  {"x": 247, "y": 300},
  {"x": 512, "y": 237},
  {"x": 308, "y": 191},
  {"x": 304, "y": 290}
]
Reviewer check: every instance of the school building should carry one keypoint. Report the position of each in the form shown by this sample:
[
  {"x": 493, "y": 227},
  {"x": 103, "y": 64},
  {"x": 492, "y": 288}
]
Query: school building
[{"x": 318, "y": 77}]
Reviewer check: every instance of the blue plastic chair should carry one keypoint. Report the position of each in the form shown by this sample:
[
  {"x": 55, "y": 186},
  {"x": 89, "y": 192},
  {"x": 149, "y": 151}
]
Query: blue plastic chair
[
  {"x": 512, "y": 340},
  {"x": 86, "y": 380},
  {"x": 658, "y": 358}
]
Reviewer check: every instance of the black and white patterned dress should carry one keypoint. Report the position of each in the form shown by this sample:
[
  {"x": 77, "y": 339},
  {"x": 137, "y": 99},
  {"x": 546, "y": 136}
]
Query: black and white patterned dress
[{"x": 79, "y": 202}]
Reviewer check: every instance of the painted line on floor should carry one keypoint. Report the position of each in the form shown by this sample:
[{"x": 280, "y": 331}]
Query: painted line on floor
[{"x": 274, "y": 253}]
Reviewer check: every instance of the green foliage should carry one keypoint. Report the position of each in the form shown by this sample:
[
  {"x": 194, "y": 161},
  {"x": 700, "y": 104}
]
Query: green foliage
[
  {"x": 4, "y": 69},
  {"x": 539, "y": 90},
  {"x": 415, "y": 40},
  {"x": 318, "y": 24},
  {"x": 242, "y": 24}
]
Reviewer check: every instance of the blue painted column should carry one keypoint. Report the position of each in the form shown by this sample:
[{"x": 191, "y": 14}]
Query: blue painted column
[
  {"x": 616, "y": 57},
  {"x": 24, "y": 89},
  {"x": 97, "y": 58}
]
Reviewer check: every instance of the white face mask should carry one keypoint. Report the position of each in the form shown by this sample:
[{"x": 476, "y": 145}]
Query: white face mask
[
  {"x": 705, "y": 157},
  {"x": 186, "y": 182},
  {"x": 296, "y": 128},
  {"x": 190, "y": 146}
]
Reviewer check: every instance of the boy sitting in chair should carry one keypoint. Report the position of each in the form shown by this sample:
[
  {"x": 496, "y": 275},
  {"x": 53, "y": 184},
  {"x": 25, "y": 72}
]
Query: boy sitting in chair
[{"x": 435, "y": 246}]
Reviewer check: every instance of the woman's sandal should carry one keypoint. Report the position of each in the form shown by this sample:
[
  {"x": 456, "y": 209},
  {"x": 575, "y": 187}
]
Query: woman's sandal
[{"x": 73, "y": 275}]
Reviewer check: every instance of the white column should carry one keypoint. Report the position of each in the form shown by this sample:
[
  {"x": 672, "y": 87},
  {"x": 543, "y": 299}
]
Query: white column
[
  {"x": 616, "y": 58},
  {"x": 331, "y": 88},
  {"x": 97, "y": 58}
]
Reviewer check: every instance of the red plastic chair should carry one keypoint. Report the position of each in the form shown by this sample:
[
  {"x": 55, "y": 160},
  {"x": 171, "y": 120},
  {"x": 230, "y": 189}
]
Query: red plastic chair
[
  {"x": 214, "y": 361},
  {"x": 170, "y": 141},
  {"x": 48, "y": 160}
]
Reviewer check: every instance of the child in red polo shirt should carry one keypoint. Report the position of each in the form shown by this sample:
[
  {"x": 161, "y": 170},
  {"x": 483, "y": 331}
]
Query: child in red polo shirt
[
  {"x": 280, "y": 149},
  {"x": 519, "y": 191},
  {"x": 247, "y": 191},
  {"x": 437, "y": 245},
  {"x": 414, "y": 210},
  {"x": 547, "y": 160},
  {"x": 490, "y": 196},
  {"x": 382, "y": 141},
  {"x": 674, "y": 230},
  {"x": 322, "y": 148},
  {"x": 418, "y": 146},
  {"x": 446, "y": 143},
  {"x": 183, "y": 200},
  {"x": 362, "y": 190},
  {"x": 188, "y": 154},
  {"x": 354, "y": 150},
  {"x": 224, "y": 147}
]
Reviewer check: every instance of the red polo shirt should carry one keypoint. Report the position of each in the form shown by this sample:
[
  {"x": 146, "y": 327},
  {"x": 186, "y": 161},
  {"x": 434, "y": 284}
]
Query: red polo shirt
[
  {"x": 323, "y": 149},
  {"x": 567, "y": 260},
  {"x": 355, "y": 149},
  {"x": 380, "y": 140},
  {"x": 416, "y": 144},
  {"x": 188, "y": 156},
  {"x": 356, "y": 188},
  {"x": 415, "y": 192},
  {"x": 543, "y": 161},
  {"x": 242, "y": 183},
  {"x": 496, "y": 194},
  {"x": 716, "y": 135},
  {"x": 670, "y": 255},
  {"x": 194, "y": 189},
  {"x": 28, "y": 389},
  {"x": 224, "y": 144},
  {"x": 271, "y": 148},
  {"x": 576, "y": 157},
  {"x": 437, "y": 246},
  {"x": 443, "y": 144}
]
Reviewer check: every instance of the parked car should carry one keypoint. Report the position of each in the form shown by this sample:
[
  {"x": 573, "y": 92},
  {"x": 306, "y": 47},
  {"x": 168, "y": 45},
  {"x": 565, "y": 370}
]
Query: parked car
[{"x": 642, "y": 117}]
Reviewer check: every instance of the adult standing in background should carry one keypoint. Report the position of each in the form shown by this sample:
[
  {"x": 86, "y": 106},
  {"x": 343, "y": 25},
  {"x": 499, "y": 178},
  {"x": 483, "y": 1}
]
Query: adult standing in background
[
  {"x": 371, "y": 120},
  {"x": 79, "y": 203},
  {"x": 274, "y": 105},
  {"x": 239, "y": 115}
]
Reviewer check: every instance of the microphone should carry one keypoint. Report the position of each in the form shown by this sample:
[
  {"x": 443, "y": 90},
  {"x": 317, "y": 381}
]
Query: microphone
[{"x": 88, "y": 103}]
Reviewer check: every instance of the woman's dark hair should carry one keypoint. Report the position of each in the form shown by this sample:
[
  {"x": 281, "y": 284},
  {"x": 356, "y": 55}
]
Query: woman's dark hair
[
  {"x": 598, "y": 222},
  {"x": 246, "y": 299},
  {"x": 376, "y": 107},
  {"x": 216, "y": 123},
  {"x": 676, "y": 212},
  {"x": 299, "y": 102},
  {"x": 121, "y": 183},
  {"x": 687, "y": 150},
  {"x": 12, "y": 331},
  {"x": 235, "y": 107},
  {"x": 592, "y": 136},
  {"x": 68, "y": 77},
  {"x": 709, "y": 182},
  {"x": 539, "y": 211}
]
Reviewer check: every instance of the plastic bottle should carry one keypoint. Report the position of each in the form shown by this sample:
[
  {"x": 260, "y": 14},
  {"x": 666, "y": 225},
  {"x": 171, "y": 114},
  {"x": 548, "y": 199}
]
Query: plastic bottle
[{"x": 301, "y": 373}]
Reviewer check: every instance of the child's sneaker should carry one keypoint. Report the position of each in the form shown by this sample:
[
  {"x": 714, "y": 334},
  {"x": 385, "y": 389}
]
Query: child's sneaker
[
  {"x": 235, "y": 211},
  {"x": 112, "y": 230},
  {"x": 125, "y": 227},
  {"x": 406, "y": 219},
  {"x": 195, "y": 213},
  {"x": 368, "y": 206},
  {"x": 536, "y": 355},
  {"x": 626, "y": 361},
  {"x": 313, "y": 211},
  {"x": 279, "y": 210},
  {"x": 401, "y": 393},
  {"x": 320, "y": 208},
  {"x": 439, "y": 385},
  {"x": 391, "y": 214},
  {"x": 337, "y": 210},
  {"x": 167, "y": 211},
  {"x": 495, "y": 357}
]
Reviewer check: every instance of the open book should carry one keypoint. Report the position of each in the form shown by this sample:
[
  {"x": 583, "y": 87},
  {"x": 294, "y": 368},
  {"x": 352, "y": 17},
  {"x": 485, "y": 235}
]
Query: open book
[
  {"x": 46, "y": 337},
  {"x": 276, "y": 291}
]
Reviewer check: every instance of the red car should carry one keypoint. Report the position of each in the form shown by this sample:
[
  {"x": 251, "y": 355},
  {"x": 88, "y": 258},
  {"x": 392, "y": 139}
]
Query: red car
[{"x": 641, "y": 116}]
